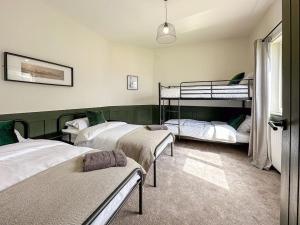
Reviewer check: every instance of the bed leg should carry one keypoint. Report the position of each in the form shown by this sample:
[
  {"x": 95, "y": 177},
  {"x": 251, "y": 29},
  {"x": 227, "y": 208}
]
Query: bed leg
[
  {"x": 141, "y": 198},
  {"x": 154, "y": 173},
  {"x": 172, "y": 149}
]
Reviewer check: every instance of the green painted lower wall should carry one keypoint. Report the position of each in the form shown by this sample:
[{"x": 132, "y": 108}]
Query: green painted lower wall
[
  {"x": 46, "y": 122},
  {"x": 202, "y": 113}
]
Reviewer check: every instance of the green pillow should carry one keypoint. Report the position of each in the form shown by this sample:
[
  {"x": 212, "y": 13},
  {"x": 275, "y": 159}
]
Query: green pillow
[
  {"x": 237, "y": 79},
  {"x": 237, "y": 121},
  {"x": 7, "y": 133},
  {"x": 95, "y": 117}
]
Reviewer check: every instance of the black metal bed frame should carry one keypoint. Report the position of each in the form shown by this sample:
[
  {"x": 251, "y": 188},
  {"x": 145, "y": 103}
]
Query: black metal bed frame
[
  {"x": 98, "y": 211},
  {"x": 215, "y": 142},
  {"x": 104, "y": 204},
  {"x": 81, "y": 115},
  {"x": 205, "y": 87},
  {"x": 156, "y": 156},
  {"x": 26, "y": 128},
  {"x": 73, "y": 115}
]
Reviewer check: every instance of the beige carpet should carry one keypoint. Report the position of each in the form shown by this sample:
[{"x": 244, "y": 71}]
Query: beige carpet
[{"x": 207, "y": 184}]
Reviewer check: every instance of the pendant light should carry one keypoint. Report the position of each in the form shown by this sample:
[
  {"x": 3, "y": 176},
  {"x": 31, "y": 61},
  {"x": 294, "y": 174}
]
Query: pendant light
[{"x": 166, "y": 33}]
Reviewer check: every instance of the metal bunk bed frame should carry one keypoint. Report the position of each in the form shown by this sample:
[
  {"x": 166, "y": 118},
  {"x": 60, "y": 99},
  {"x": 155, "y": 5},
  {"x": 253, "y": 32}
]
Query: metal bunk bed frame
[{"x": 209, "y": 89}]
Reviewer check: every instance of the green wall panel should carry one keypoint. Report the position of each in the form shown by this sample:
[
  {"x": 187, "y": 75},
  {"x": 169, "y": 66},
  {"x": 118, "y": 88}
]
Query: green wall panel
[
  {"x": 46, "y": 122},
  {"x": 202, "y": 113}
]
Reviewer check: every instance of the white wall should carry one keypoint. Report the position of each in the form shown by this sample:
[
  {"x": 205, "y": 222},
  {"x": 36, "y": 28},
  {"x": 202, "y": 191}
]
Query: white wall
[
  {"x": 216, "y": 60},
  {"x": 34, "y": 29},
  {"x": 272, "y": 17},
  {"x": 212, "y": 60}
]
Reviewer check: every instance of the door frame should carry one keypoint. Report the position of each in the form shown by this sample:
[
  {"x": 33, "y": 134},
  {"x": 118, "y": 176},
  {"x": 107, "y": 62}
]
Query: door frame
[{"x": 290, "y": 210}]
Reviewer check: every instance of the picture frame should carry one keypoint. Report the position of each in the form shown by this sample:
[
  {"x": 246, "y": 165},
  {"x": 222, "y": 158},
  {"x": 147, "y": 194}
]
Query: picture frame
[
  {"x": 20, "y": 68},
  {"x": 132, "y": 82}
]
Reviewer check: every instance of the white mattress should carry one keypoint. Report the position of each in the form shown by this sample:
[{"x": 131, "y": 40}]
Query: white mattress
[
  {"x": 233, "y": 91},
  {"x": 242, "y": 137},
  {"x": 111, "y": 208},
  {"x": 71, "y": 131},
  {"x": 162, "y": 147},
  {"x": 211, "y": 131}
]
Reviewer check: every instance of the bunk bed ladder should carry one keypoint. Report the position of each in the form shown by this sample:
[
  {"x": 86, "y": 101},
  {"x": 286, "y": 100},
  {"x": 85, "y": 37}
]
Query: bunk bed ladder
[
  {"x": 170, "y": 112},
  {"x": 163, "y": 109},
  {"x": 159, "y": 103},
  {"x": 179, "y": 115}
]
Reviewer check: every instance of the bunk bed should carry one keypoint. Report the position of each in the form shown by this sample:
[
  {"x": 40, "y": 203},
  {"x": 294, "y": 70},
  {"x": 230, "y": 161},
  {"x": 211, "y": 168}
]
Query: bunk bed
[{"x": 172, "y": 97}]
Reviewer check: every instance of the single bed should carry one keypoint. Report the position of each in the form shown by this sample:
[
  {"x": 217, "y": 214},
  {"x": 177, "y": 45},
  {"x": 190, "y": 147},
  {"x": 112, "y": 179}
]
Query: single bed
[
  {"x": 214, "y": 131},
  {"x": 136, "y": 141},
  {"x": 42, "y": 183}
]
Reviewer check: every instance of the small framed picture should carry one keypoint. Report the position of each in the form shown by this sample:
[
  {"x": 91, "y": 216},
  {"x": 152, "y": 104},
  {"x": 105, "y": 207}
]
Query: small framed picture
[
  {"x": 132, "y": 82},
  {"x": 21, "y": 68}
]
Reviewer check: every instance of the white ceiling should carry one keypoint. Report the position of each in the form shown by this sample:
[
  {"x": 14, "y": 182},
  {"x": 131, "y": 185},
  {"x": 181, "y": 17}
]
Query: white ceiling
[{"x": 136, "y": 21}]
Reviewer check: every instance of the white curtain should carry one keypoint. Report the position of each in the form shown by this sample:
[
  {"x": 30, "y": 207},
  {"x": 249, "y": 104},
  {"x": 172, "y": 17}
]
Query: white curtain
[{"x": 258, "y": 146}]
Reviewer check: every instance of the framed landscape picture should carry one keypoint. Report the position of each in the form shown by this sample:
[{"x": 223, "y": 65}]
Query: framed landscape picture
[
  {"x": 132, "y": 82},
  {"x": 30, "y": 70}
]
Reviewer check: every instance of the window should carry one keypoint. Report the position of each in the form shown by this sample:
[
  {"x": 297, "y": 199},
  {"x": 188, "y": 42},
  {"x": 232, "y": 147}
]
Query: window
[{"x": 276, "y": 75}]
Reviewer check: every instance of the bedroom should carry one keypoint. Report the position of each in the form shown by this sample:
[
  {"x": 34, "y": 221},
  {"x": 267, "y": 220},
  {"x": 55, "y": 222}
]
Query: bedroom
[{"x": 105, "y": 61}]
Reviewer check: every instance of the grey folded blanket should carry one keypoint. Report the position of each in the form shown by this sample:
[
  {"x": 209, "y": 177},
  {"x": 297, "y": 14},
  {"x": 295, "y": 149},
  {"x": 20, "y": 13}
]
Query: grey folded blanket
[
  {"x": 157, "y": 127},
  {"x": 104, "y": 159}
]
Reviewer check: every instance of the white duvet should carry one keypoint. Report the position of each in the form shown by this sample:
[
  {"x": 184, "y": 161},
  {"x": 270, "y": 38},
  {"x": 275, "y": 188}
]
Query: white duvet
[
  {"x": 25, "y": 159},
  {"x": 212, "y": 131},
  {"x": 104, "y": 136}
]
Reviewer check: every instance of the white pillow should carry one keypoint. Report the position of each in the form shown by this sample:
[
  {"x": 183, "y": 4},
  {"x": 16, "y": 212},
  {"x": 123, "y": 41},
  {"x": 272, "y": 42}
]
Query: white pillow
[
  {"x": 249, "y": 76},
  {"x": 246, "y": 77},
  {"x": 79, "y": 124},
  {"x": 246, "y": 125},
  {"x": 19, "y": 136},
  {"x": 70, "y": 130}
]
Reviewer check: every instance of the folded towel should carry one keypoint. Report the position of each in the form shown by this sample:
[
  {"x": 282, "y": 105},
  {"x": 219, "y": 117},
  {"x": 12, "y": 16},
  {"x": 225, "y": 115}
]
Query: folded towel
[
  {"x": 121, "y": 159},
  {"x": 104, "y": 159},
  {"x": 157, "y": 127}
]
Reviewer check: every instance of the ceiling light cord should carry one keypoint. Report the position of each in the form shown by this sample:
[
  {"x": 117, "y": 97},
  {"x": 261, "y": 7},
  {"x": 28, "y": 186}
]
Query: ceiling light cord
[
  {"x": 166, "y": 33},
  {"x": 166, "y": 7}
]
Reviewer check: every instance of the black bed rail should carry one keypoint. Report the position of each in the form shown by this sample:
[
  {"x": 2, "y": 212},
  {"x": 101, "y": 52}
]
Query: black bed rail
[
  {"x": 211, "y": 90},
  {"x": 156, "y": 156},
  {"x": 25, "y": 126},
  {"x": 104, "y": 204},
  {"x": 60, "y": 120},
  {"x": 216, "y": 90}
]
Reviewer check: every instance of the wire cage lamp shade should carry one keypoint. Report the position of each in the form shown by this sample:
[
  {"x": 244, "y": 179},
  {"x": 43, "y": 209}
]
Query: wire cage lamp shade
[{"x": 166, "y": 33}]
